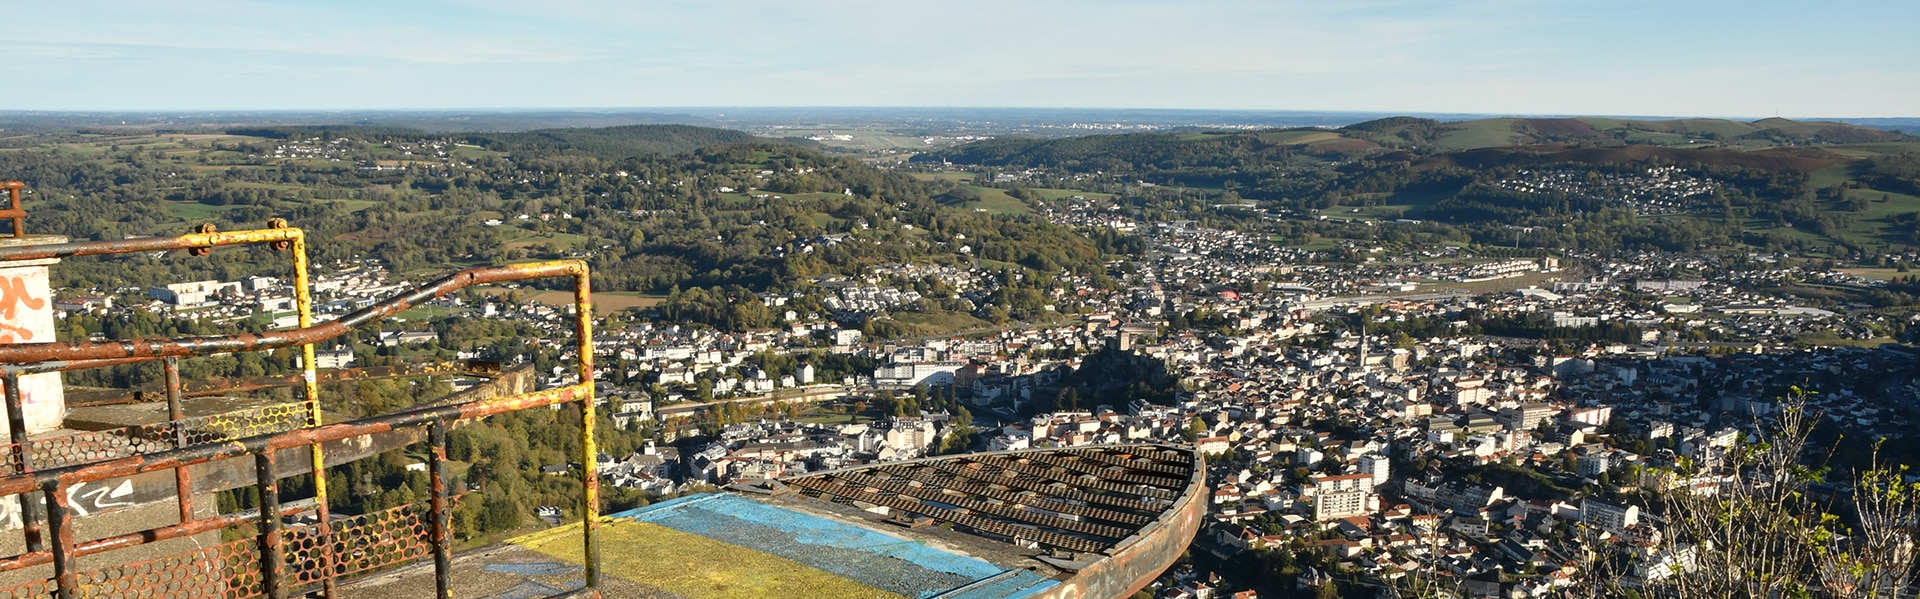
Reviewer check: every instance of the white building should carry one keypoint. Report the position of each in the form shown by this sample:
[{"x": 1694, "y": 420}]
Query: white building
[
  {"x": 1340, "y": 496},
  {"x": 191, "y": 293},
  {"x": 332, "y": 358},
  {"x": 1609, "y": 517},
  {"x": 1375, "y": 466},
  {"x": 908, "y": 374}
]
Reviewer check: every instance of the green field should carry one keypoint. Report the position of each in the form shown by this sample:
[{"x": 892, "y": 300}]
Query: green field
[
  {"x": 997, "y": 201},
  {"x": 939, "y": 323},
  {"x": 1061, "y": 194},
  {"x": 1389, "y": 206},
  {"x": 604, "y": 302},
  {"x": 466, "y": 152},
  {"x": 1658, "y": 138},
  {"x": 559, "y": 241},
  {"x": 1486, "y": 133},
  {"x": 426, "y": 313},
  {"x": 1298, "y": 137},
  {"x": 195, "y": 212},
  {"x": 943, "y": 176},
  {"x": 1876, "y": 273}
]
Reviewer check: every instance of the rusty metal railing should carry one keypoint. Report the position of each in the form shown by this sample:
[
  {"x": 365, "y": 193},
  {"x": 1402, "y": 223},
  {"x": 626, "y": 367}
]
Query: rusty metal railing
[
  {"x": 96, "y": 446},
  {"x": 323, "y": 554},
  {"x": 277, "y": 236}
]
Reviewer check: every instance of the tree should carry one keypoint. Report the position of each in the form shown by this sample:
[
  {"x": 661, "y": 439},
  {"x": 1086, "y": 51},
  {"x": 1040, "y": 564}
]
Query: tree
[
  {"x": 500, "y": 513},
  {"x": 1194, "y": 428},
  {"x": 1763, "y": 534},
  {"x": 1329, "y": 590},
  {"x": 1068, "y": 399}
]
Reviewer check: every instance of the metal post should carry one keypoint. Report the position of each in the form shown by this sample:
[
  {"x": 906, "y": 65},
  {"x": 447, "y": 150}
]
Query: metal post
[
  {"x": 273, "y": 558},
  {"x": 30, "y": 511},
  {"x": 310, "y": 387},
  {"x": 66, "y": 581},
  {"x": 590, "y": 455},
  {"x": 176, "y": 412},
  {"x": 442, "y": 540},
  {"x": 14, "y": 211}
]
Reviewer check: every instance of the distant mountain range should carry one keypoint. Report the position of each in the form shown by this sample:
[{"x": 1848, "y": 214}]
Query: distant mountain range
[
  {"x": 1771, "y": 144},
  {"x": 1048, "y": 122},
  {"x": 1503, "y": 132}
]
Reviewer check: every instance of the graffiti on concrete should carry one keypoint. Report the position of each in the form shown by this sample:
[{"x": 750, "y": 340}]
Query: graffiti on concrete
[
  {"x": 92, "y": 497},
  {"x": 13, "y": 295}
]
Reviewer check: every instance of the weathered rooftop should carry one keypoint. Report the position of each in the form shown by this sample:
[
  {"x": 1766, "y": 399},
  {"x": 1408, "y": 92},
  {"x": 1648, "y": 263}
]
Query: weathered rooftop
[{"x": 1083, "y": 522}]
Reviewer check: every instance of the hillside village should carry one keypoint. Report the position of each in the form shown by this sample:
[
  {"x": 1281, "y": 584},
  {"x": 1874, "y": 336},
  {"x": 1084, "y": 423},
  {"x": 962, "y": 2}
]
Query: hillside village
[
  {"x": 1490, "y": 415},
  {"x": 1353, "y": 410}
]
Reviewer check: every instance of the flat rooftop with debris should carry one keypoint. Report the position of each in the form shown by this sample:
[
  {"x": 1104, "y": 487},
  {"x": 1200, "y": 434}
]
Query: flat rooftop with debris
[{"x": 1080, "y": 522}]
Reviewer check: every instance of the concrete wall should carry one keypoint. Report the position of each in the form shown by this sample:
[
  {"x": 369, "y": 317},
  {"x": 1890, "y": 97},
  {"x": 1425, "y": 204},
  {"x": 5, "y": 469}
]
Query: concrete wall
[{"x": 26, "y": 316}]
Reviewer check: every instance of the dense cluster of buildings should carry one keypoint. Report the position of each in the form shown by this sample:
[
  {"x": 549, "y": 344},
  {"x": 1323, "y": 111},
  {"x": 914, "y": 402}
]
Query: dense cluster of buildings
[
  {"x": 1357, "y": 409},
  {"x": 1657, "y": 190}
]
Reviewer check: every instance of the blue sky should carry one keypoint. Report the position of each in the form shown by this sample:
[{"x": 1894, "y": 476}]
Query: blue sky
[{"x": 1619, "y": 57}]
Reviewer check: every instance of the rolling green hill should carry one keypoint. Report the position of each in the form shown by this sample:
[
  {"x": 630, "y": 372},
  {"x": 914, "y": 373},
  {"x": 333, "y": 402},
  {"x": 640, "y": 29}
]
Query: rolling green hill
[
  {"x": 649, "y": 221},
  {"x": 606, "y": 143},
  {"x": 1774, "y": 183},
  {"x": 1503, "y": 132},
  {"x": 612, "y": 143}
]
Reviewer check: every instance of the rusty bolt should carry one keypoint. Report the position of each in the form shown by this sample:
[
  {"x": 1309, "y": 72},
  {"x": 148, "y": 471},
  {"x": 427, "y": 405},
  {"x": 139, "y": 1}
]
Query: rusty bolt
[
  {"x": 279, "y": 246},
  {"x": 202, "y": 251}
]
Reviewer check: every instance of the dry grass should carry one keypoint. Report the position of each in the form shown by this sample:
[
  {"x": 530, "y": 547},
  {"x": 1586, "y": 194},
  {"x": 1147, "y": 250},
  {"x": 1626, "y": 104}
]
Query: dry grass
[
  {"x": 604, "y": 303},
  {"x": 697, "y": 567}
]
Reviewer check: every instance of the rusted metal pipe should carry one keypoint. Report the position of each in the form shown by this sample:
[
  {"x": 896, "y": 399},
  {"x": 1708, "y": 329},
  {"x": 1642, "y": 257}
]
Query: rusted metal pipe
[
  {"x": 310, "y": 387},
  {"x": 60, "y": 515},
  {"x": 39, "y": 367},
  {"x": 441, "y": 523},
  {"x": 273, "y": 552},
  {"x": 22, "y": 459},
  {"x": 590, "y": 453},
  {"x": 47, "y": 357},
  {"x": 164, "y": 533},
  {"x": 176, "y": 412},
  {"x": 200, "y": 454},
  {"x": 147, "y": 244},
  {"x": 189, "y": 346},
  {"x": 15, "y": 211}
]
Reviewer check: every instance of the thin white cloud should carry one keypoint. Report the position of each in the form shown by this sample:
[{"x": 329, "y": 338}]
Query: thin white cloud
[{"x": 1415, "y": 55}]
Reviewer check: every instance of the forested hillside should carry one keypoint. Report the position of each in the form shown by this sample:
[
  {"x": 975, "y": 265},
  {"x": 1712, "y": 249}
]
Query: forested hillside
[
  {"x": 732, "y": 216},
  {"x": 608, "y": 143},
  {"x": 1582, "y": 183}
]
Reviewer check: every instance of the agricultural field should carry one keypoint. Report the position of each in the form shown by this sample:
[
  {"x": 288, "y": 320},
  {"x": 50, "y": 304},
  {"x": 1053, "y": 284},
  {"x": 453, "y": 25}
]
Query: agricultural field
[
  {"x": 997, "y": 201},
  {"x": 943, "y": 176},
  {"x": 604, "y": 302},
  {"x": 556, "y": 241},
  {"x": 1487, "y": 133},
  {"x": 1061, "y": 194}
]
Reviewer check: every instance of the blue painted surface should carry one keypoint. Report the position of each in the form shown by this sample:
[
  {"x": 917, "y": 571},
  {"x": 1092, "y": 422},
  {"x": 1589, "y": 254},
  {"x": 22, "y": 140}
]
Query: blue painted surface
[
  {"x": 1035, "y": 590},
  {"x": 885, "y": 561},
  {"x": 531, "y": 590},
  {"x": 1020, "y": 584}
]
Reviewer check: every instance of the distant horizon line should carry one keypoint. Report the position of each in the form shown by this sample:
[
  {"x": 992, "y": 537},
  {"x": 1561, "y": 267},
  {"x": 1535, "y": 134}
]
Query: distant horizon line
[{"x": 665, "y": 110}]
